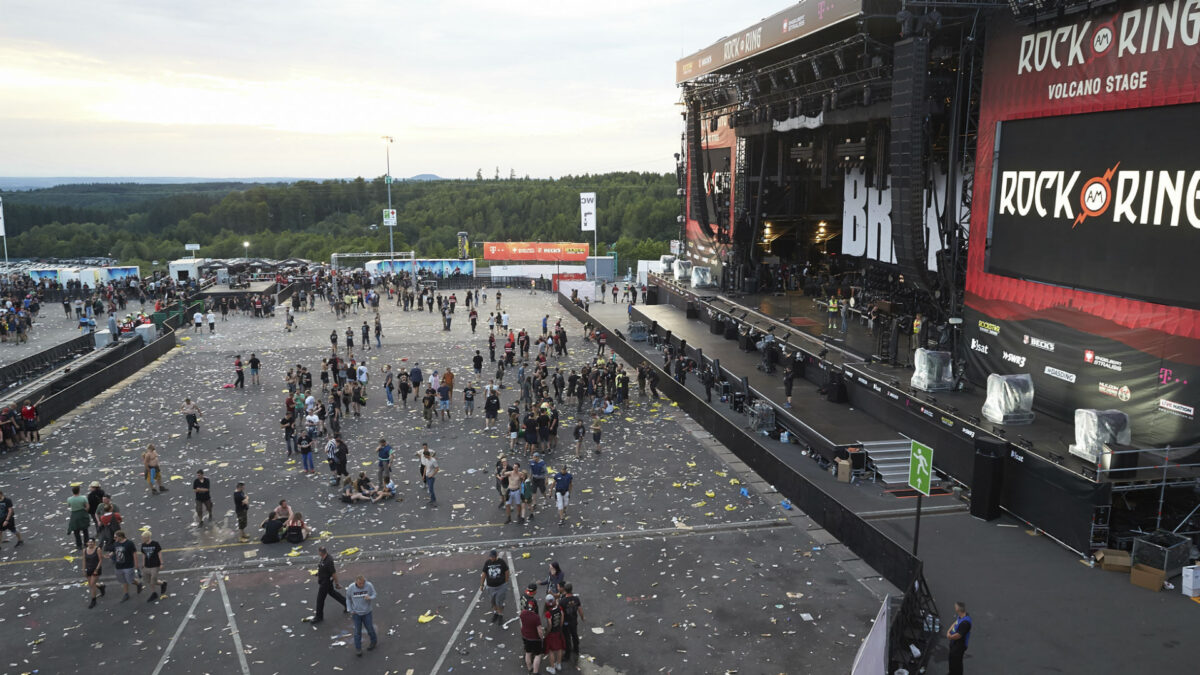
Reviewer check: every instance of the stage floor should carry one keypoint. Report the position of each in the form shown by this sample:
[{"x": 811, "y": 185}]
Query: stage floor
[{"x": 255, "y": 288}]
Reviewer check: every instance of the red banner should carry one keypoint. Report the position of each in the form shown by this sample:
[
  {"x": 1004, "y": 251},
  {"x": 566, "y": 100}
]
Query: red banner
[{"x": 536, "y": 251}]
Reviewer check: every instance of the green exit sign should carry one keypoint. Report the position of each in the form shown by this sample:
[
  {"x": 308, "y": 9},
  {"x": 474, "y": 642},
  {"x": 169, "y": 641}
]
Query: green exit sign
[{"x": 387, "y": 179}]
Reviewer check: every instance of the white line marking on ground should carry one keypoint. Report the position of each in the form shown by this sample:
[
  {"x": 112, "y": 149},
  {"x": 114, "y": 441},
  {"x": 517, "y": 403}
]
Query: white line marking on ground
[
  {"x": 233, "y": 629},
  {"x": 457, "y": 631},
  {"x": 179, "y": 631},
  {"x": 512, "y": 577}
]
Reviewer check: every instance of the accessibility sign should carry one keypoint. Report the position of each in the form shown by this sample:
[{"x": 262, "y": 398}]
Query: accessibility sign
[{"x": 920, "y": 467}]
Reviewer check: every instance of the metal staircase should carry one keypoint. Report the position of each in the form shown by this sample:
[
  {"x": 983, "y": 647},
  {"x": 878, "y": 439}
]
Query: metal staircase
[{"x": 889, "y": 460}]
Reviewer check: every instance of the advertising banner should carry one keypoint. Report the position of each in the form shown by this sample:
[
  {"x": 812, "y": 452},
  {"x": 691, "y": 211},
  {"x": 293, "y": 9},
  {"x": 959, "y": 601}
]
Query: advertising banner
[
  {"x": 1074, "y": 369},
  {"x": 1084, "y": 191},
  {"x": 536, "y": 251},
  {"x": 800, "y": 20},
  {"x": 715, "y": 164}
]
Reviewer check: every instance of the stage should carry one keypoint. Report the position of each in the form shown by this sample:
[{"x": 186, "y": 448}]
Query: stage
[
  {"x": 1042, "y": 483},
  {"x": 217, "y": 291}
]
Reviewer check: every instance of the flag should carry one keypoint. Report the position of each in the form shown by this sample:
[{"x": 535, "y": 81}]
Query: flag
[
  {"x": 587, "y": 211},
  {"x": 2, "y": 233}
]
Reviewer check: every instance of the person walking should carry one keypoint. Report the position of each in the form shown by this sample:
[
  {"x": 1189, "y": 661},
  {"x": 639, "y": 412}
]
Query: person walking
[
  {"x": 92, "y": 568},
  {"x": 191, "y": 412},
  {"x": 241, "y": 507},
  {"x": 388, "y": 385},
  {"x": 8, "y": 520},
  {"x": 153, "y": 470},
  {"x": 123, "y": 556},
  {"x": 327, "y": 584},
  {"x": 789, "y": 378},
  {"x": 553, "y": 641},
  {"x": 239, "y": 373},
  {"x": 572, "y": 614},
  {"x": 384, "y": 459},
  {"x": 149, "y": 564},
  {"x": 255, "y": 364},
  {"x": 359, "y": 598},
  {"x": 494, "y": 581},
  {"x": 580, "y": 432},
  {"x": 959, "y": 635},
  {"x": 201, "y": 486},
  {"x": 596, "y": 432},
  {"x": 532, "y": 632},
  {"x": 429, "y": 459},
  {"x": 79, "y": 520},
  {"x": 562, "y": 492}
]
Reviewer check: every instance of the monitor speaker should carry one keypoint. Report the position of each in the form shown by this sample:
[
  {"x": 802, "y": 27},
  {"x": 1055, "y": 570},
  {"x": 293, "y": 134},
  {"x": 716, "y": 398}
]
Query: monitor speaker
[{"x": 987, "y": 479}]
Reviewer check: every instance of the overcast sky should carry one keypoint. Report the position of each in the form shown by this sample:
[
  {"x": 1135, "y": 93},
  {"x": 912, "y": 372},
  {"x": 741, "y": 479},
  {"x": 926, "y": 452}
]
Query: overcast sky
[{"x": 305, "y": 88}]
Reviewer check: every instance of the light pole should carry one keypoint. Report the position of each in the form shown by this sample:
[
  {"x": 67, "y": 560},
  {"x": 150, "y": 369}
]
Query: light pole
[{"x": 387, "y": 179}]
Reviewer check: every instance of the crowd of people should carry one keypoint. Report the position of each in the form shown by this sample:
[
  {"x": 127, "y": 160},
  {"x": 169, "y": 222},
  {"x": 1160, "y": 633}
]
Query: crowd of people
[{"x": 526, "y": 376}]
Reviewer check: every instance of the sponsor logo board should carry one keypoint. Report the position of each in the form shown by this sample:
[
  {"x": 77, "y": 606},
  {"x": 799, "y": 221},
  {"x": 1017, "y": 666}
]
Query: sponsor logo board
[
  {"x": 1121, "y": 392},
  {"x": 979, "y": 346},
  {"x": 1044, "y": 345},
  {"x": 1060, "y": 374},
  {"x": 989, "y": 328},
  {"x": 1090, "y": 356},
  {"x": 1017, "y": 359},
  {"x": 1178, "y": 409}
]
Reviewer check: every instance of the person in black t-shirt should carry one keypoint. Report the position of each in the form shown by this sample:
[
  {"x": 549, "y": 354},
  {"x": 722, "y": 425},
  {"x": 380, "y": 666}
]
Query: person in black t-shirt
[
  {"x": 288, "y": 424},
  {"x": 150, "y": 561},
  {"x": 241, "y": 507},
  {"x": 255, "y": 363},
  {"x": 203, "y": 498},
  {"x": 327, "y": 583},
  {"x": 123, "y": 557},
  {"x": 494, "y": 579},
  {"x": 8, "y": 520},
  {"x": 272, "y": 527},
  {"x": 572, "y": 615},
  {"x": 468, "y": 399}
]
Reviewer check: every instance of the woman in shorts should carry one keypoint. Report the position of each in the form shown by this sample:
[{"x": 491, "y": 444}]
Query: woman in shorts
[
  {"x": 91, "y": 570},
  {"x": 29, "y": 420},
  {"x": 514, "y": 426},
  {"x": 596, "y": 433}
]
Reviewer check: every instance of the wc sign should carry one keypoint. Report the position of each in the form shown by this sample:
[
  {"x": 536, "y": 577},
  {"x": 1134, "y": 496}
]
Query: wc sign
[{"x": 587, "y": 211}]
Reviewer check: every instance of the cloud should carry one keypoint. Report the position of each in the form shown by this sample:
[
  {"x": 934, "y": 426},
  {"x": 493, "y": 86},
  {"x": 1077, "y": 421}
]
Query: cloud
[{"x": 306, "y": 88}]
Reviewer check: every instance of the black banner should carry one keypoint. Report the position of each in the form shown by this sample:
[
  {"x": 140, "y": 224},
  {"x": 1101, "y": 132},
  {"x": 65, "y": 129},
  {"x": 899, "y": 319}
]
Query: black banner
[
  {"x": 1073, "y": 369},
  {"x": 1107, "y": 202}
]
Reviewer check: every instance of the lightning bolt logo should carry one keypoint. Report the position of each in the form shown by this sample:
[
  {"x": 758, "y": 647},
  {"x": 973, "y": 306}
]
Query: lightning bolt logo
[{"x": 1096, "y": 189}]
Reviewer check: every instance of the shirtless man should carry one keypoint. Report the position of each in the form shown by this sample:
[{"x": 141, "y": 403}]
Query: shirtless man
[
  {"x": 512, "y": 478},
  {"x": 153, "y": 472}
]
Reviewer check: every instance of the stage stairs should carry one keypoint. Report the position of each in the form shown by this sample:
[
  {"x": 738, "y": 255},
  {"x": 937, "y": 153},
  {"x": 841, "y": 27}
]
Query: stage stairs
[{"x": 889, "y": 460}]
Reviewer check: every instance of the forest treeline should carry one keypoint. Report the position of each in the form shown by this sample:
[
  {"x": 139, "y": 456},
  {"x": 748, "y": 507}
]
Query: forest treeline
[{"x": 139, "y": 223}]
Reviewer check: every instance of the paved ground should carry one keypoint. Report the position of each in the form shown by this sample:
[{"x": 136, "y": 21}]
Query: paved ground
[
  {"x": 680, "y": 570},
  {"x": 1036, "y": 607},
  {"x": 50, "y": 329}
]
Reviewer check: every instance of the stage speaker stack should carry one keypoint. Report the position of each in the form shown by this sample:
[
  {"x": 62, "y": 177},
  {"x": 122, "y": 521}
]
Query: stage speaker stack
[
  {"x": 910, "y": 65},
  {"x": 835, "y": 388},
  {"x": 987, "y": 479},
  {"x": 692, "y": 311}
]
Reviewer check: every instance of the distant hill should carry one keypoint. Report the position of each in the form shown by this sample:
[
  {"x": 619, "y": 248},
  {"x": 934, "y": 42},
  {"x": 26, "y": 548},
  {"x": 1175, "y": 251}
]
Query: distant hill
[
  {"x": 425, "y": 176},
  {"x": 13, "y": 183}
]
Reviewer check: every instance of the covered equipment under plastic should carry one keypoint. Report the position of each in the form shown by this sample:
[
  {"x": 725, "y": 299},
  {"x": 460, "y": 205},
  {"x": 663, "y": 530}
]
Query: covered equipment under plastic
[
  {"x": 1095, "y": 428},
  {"x": 932, "y": 371},
  {"x": 1009, "y": 399}
]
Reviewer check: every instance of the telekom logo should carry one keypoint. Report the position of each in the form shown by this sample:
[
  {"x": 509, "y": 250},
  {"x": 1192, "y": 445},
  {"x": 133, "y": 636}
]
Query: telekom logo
[{"x": 1167, "y": 376}]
